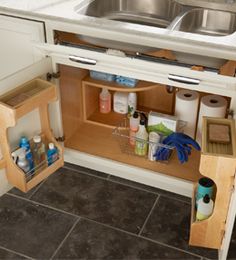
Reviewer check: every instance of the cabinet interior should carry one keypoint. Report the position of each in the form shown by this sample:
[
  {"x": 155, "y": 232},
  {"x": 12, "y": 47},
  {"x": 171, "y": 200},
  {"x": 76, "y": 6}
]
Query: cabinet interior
[{"x": 89, "y": 131}]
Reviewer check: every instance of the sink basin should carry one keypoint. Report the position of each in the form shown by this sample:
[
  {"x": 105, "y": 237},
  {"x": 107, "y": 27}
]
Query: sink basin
[
  {"x": 206, "y": 22},
  {"x": 157, "y": 13}
]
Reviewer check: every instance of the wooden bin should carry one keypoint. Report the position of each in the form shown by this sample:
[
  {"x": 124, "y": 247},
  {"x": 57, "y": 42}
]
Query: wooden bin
[
  {"x": 15, "y": 104},
  {"x": 218, "y": 162}
]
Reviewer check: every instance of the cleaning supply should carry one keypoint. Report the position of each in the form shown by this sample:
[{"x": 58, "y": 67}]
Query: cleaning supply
[
  {"x": 105, "y": 101},
  {"x": 133, "y": 126},
  {"x": 205, "y": 208},
  {"x": 205, "y": 187},
  {"x": 141, "y": 138},
  {"x": 25, "y": 144},
  {"x": 52, "y": 154},
  {"x": 38, "y": 150},
  {"x": 23, "y": 163},
  {"x": 120, "y": 102},
  {"x": 183, "y": 145},
  {"x": 132, "y": 103}
]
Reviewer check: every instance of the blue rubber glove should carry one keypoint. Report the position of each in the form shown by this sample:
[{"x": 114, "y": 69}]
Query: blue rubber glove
[{"x": 183, "y": 144}]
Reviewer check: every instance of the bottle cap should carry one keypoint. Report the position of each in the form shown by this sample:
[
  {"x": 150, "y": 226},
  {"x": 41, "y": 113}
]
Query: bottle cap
[
  {"x": 206, "y": 199},
  {"x": 142, "y": 122},
  {"x": 37, "y": 138},
  {"x": 135, "y": 115},
  {"x": 23, "y": 139},
  {"x": 51, "y": 146}
]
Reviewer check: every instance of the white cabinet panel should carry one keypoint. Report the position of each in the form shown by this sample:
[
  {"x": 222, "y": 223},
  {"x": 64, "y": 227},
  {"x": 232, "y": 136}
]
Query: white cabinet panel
[{"x": 16, "y": 50}]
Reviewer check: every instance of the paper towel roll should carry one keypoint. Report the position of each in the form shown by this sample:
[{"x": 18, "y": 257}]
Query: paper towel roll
[
  {"x": 211, "y": 106},
  {"x": 186, "y": 109}
]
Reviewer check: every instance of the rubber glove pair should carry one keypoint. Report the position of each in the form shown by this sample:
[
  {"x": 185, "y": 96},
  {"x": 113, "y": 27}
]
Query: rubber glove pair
[{"x": 181, "y": 142}]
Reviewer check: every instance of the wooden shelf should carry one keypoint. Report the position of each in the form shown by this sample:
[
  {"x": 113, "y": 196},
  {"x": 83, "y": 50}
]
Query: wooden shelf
[
  {"x": 141, "y": 85},
  {"x": 15, "y": 104},
  {"x": 220, "y": 167},
  {"x": 99, "y": 141}
]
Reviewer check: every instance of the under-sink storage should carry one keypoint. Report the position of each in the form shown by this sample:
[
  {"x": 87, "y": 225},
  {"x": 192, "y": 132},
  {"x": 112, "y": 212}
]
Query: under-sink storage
[
  {"x": 218, "y": 162},
  {"x": 35, "y": 94}
]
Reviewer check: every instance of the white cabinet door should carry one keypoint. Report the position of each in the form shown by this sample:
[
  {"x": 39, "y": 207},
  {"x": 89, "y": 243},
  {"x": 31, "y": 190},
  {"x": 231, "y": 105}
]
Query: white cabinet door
[{"x": 16, "y": 49}]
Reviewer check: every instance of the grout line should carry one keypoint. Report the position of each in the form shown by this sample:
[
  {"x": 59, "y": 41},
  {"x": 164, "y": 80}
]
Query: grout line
[
  {"x": 148, "y": 216},
  {"x": 108, "y": 178},
  {"x": 142, "y": 237},
  {"x": 65, "y": 238},
  {"x": 86, "y": 173},
  {"x": 37, "y": 188},
  {"x": 103, "y": 224},
  {"x": 44, "y": 205},
  {"x": 14, "y": 252}
]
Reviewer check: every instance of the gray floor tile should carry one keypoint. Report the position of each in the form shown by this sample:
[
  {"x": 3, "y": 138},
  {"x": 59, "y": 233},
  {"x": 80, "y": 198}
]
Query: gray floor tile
[
  {"x": 85, "y": 170},
  {"x": 149, "y": 188},
  {"x": 26, "y": 195},
  {"x": 97, "y": 199},
  {"x": 89, "y": 240},
  {"x": 169, "y": 223},
  {"x": 4, "y": 254},
  {"x": 30, "y": 229}
]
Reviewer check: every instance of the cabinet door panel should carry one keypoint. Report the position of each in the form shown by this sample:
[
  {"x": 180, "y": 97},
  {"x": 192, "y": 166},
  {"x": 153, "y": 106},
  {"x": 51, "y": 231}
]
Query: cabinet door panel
[{"x": 16, "y": 49}]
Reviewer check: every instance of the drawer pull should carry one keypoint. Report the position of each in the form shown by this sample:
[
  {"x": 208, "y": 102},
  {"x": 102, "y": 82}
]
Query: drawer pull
[
  {"x": 83, "y": 60},
  {"x": 182, "y": 79}
]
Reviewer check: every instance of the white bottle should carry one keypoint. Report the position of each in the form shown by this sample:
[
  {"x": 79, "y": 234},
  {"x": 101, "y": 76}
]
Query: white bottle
[
  {"x": 23, "y": 162},
  {"x": 141, "y": 137},
  {"x": 205, "y": 208},
  {"x": 154, "y": 139},
  {"x": 132, "y": 103},
  {"x": 105, "y": 101}
]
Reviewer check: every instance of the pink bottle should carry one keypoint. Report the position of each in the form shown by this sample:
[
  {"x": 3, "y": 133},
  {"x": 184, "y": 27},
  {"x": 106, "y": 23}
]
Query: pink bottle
[{"x": 105, "y": 101}]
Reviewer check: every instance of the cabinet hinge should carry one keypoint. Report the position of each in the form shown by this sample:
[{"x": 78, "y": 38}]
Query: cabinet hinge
[
  {"x": 61, "y": 138},
  {"x": 230, "y": 113},
  {"x": 51, "y": 76}
]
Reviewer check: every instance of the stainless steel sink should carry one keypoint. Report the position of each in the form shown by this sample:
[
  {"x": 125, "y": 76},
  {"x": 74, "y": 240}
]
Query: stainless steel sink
[
  {"x": 206, "y": 22},
  {"x": 157, "y": 13}
]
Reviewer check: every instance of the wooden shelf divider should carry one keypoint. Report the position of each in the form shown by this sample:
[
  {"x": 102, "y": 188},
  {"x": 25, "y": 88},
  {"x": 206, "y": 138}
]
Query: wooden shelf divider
[
  {"x": 15, "y": 104},
  {"x": 219, "y": 166}
]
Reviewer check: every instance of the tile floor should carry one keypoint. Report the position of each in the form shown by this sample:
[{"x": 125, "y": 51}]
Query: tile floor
[{"x": 83, "y": 214}]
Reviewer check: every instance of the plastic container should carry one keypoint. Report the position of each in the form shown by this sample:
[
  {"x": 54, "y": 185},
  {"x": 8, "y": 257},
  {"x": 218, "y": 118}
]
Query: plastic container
[
  {"x": 105, "y": 101},
  {"x": 38, "y": 150},
  {"x": 141, "y": 139},
  {"x": 132, "y": 103},
  {"x": 52, "y": 154},
  {"x": 102, "y": 75},
  {"x": 126, "y": 81},
  {"x": 25, "y": 144},
  {"x": 134, "y": 124},
  {"x": 23, "y": 163},
  {"x": 120, "y": 102},
  {"x": 205, "y": 208}
]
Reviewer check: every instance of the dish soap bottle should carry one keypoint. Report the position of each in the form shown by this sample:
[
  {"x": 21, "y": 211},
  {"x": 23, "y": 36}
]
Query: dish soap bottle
[
  {"x": 52, "y": 154},
  {"x": 38, "y": 151},
  {"x": 205, "y": 208},
  {"x": 105, "y": 101},
  {"x": 141, "y": 145}
]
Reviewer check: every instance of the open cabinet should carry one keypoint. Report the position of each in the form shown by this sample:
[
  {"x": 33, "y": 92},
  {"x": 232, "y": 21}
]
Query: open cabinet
[{"x": 88, "y": 138}]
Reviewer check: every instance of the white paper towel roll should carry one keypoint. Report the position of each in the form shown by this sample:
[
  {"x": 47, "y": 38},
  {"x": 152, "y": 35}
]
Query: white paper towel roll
[
  {"x": 186, "y": 108},
  {"x": 211, "y": 106}
]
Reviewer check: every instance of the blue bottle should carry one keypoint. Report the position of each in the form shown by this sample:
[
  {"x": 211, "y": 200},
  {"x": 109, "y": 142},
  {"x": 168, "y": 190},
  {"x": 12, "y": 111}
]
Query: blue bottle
[
  {"x": 52, "y": 154},
  {"x": 24, "y": 143}
]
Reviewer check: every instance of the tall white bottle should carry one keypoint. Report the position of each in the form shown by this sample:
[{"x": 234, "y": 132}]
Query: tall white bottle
[
  {"x": 132, "y": 103},
  {"x": 141, "y": 139}
]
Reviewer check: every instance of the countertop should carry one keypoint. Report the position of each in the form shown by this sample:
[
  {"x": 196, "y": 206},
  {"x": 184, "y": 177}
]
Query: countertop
[{"x": 64, "y": 11}]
